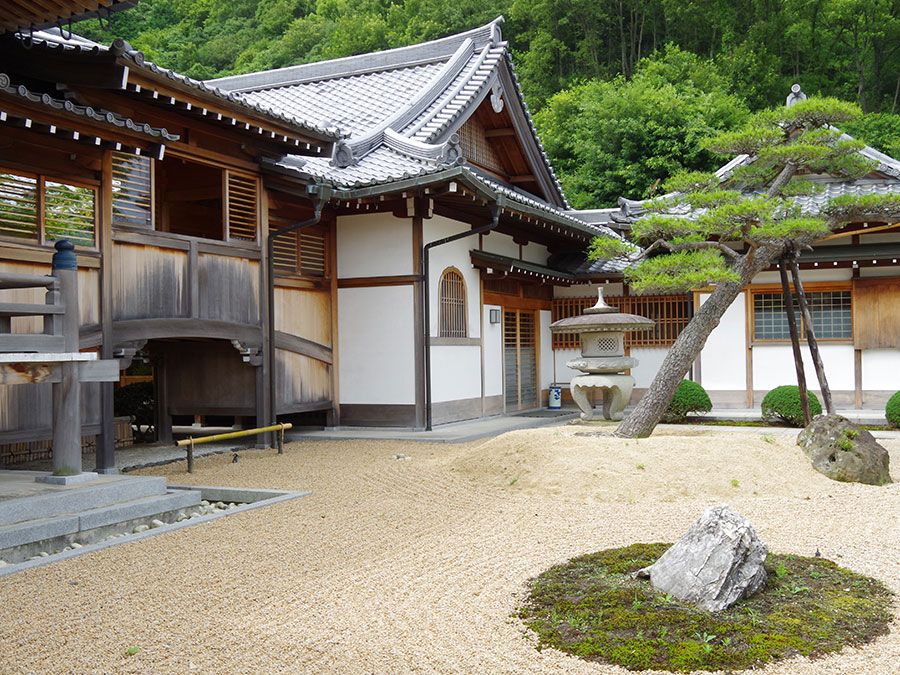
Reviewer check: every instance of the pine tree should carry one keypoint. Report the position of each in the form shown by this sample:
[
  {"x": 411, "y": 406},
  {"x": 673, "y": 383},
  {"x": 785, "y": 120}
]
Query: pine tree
[{"x": 722, "y": 230}]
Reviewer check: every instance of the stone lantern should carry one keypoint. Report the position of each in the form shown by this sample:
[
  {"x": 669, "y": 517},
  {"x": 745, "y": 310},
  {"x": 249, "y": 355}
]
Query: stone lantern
[{"x": 602, "y": 329}]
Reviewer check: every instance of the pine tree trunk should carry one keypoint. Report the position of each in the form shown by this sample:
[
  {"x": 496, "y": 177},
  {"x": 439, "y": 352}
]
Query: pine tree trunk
[
  {"x": 795, "y": 340},
  {"x": 649, "y": 410}
]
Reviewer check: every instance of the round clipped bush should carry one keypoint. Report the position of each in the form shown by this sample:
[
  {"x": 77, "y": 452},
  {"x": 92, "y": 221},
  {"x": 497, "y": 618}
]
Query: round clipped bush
[
  {"x": 689, "y": 398},
  {"x": 784, "y": 402},
  {"x": 892, "y": 410}
]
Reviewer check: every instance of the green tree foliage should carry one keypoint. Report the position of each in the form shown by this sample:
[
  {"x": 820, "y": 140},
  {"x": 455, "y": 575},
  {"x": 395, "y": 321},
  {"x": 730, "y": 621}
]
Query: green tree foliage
[
  {"x": 723, "y": 230},
  {"x": 784, "y": 403},
  {"x": 623, "y": 137}
]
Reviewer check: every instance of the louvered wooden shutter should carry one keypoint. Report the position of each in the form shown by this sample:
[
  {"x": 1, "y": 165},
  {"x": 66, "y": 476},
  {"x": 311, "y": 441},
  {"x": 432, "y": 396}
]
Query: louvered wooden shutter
[
  {"x": 312, "y": 253},
  {"x": 243, "y": 206},
  {"x": 69, "y": 213},
  {"x": 285, "y": 252},
  {"x": 452, "y": 305},
  {"x": 132, "y": 188},
  {"x": 19, "y": 207}
]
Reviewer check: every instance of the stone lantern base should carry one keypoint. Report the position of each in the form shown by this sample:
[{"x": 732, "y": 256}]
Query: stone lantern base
[{"x": 616, "y": 391}]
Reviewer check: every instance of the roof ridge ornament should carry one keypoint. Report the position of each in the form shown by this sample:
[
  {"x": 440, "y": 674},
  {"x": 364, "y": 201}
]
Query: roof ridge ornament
[
  {"x": 796, "y": 95},
  {"x": 497, "y": 98}
]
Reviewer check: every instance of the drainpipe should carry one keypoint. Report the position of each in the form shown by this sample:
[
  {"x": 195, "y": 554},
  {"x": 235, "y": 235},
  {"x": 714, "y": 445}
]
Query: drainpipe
[
  {"x": 495, "y": 217},
  {"x": 319, "y": 195}
]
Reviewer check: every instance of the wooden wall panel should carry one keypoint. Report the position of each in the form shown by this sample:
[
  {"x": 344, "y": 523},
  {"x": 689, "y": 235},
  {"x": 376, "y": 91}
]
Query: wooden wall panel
[
  {"x": 876, "y": 322},
  {"x": 207, "y": 377},
  {"x": 305, "y": 313},
  {"x": 149, "y": 282},
  {"x": 229, "y": 289},
  {"x": 30, "y": 406},
  {"x": 88, "y": 296},
  {"x": 300, "y": 379}
]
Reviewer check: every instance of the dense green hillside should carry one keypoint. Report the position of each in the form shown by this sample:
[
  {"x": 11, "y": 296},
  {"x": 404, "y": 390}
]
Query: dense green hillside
[{"x": 747, "y": 53}]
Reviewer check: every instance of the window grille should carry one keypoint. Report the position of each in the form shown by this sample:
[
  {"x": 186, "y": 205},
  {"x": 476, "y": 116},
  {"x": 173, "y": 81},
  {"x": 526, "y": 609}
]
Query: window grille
[
  {"x": 132, "y": 190},
  {"x": 831, "y": 312},
  {"x": 670, "y": 312},
  {"x": 452, "y": 305},
  {"x": 35, "y": 209},
  {"x": 475, "y": 146}
]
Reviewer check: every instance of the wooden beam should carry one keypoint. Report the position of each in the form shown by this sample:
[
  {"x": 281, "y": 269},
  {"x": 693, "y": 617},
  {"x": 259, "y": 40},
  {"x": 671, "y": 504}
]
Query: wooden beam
[
  {"x": 524, "y": 178},
  {"x": 65, "y": 67},
  {"x": 496, "y": 133}
]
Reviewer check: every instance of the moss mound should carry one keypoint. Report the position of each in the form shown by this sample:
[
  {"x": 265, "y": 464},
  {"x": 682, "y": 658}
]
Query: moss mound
[
  {"x": 784, "y": 402},
  {"x": 591, "y": 607}
]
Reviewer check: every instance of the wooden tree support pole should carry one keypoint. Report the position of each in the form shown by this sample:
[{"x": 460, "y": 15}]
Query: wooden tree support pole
[
  {"x": 811, "y": 337},
  {"x": 795, "y": 339},
  {"x": 191, "y": 441}
]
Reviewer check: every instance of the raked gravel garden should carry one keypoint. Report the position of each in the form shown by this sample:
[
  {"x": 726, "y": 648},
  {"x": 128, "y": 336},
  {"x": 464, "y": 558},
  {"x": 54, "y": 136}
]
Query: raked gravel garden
[{"x": 419, "y": 565}]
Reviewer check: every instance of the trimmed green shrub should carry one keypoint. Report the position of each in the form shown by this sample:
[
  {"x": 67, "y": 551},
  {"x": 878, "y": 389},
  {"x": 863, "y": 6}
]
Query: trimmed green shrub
[
  {"x": 784, "y": 402},
  {"x": 892, "y": 410},
  {"x": 689, "y": 398}
]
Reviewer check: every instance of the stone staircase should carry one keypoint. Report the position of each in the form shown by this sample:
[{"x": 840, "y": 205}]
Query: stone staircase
[{"x": 36, "y": 517}]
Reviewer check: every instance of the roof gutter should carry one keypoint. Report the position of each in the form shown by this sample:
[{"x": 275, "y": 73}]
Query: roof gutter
[
  {"x": 426, "y": 305},
  {"x": 319, "y": 195}
]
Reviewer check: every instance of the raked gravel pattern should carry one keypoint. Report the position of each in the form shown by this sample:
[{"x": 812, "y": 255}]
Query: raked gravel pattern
[{"x": 416, "y": 565}]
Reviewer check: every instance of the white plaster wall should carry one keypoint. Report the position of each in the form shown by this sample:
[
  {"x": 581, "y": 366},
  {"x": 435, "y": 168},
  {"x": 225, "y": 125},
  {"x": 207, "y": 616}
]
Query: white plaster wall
[
  {"x": 649, "y": 361},
  {"x": 374, "y": 245},
  {"x": 546, "y": 355},
  {"x": 455, "y": 372},
  {"x": 723, "y": 361},
  {"x": 500, "y": 244},
  {"x": 455, "y": 254},
  {"x": 881, "y": 369},
  {"x": 561, "y": 357},
  {"x": 535, "y": 253},
  {"x": 586, "y": 290},
  {"x": 823, "y": 274},
  {"x": 773, "y": 366},
  {"x": 493, "y": 354},
  {"x": 886, "y": 271},
  {"x": 376, "y": 345}
]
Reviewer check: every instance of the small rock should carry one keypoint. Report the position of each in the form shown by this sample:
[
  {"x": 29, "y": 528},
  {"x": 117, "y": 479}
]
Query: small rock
[
  {"x": 194, "y": 514},
  {"x": 181, "y": 517},
  {"x": 67, "y": 548},
  {"x": 43, "y": 554},
  {"x": 75, "y": 544},
  {"x": 3, "y": 563},
  {"x": 231, "y": 505},
  {"x": 141, "y": 528},
  {"x": 204, "y": 503},
  {"x": 220, "y": 505},
  {"x": 156, "y": 522},
  {"x": 34, "y": 557}
]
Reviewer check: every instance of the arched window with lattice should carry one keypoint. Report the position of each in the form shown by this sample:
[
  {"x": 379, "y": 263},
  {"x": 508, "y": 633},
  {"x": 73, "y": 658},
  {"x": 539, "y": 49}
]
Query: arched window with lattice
[{"x": 452, "y": 304}]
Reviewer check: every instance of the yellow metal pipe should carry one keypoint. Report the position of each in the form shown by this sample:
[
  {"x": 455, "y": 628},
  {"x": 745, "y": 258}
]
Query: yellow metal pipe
[{"x": 233, "y": 434}]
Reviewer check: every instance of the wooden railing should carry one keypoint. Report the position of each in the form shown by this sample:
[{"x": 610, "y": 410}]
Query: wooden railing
[{"x": 52, "y": 339}]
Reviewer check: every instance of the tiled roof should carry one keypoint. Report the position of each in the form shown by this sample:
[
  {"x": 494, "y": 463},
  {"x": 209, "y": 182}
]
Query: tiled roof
[
  {"x": 97, "y": 115},
  {"x": 421, "y": 92},
  {"x": 51, "y": 39}
]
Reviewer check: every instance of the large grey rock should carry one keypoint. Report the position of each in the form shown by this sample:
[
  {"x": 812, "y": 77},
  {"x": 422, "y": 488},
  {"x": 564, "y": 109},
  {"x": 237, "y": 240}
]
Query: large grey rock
[
  {"x": 842, "y": 451},
  {"x": 716, "y": 563}
]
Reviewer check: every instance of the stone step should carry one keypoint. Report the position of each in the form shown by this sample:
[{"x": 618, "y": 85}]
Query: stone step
[
  {"x": 82, "y": 497},
  {"x": 62, "y": 525}
]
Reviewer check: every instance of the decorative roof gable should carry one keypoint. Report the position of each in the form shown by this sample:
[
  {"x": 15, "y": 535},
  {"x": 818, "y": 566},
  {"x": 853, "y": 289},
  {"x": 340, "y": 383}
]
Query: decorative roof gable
[{"x": 403, "y": 109}]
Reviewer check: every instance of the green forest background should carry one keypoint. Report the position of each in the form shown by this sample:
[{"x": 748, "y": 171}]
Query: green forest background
[{"x": 622, "y": 91}]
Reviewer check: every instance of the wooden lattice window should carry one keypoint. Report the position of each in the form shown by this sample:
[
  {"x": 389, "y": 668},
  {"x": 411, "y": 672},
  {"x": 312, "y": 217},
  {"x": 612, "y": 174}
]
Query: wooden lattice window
[
  {"x": 38, "y": 209},
  {"x": 670, "y": 312},
  {"x": 831, "y": 312},
  {"x": 475, "y": 146},
  {"x": 242, "y": 206},
  {"x": 452, "y": 304},
  {"x": 132, "y": 190}
]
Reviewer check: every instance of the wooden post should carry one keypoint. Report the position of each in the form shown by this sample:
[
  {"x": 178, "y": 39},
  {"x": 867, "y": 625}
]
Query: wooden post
[
  {"x": 795, "y": 339},
  {"x": 67, "y": 392},
  {"x": 105, "y": 459}
]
